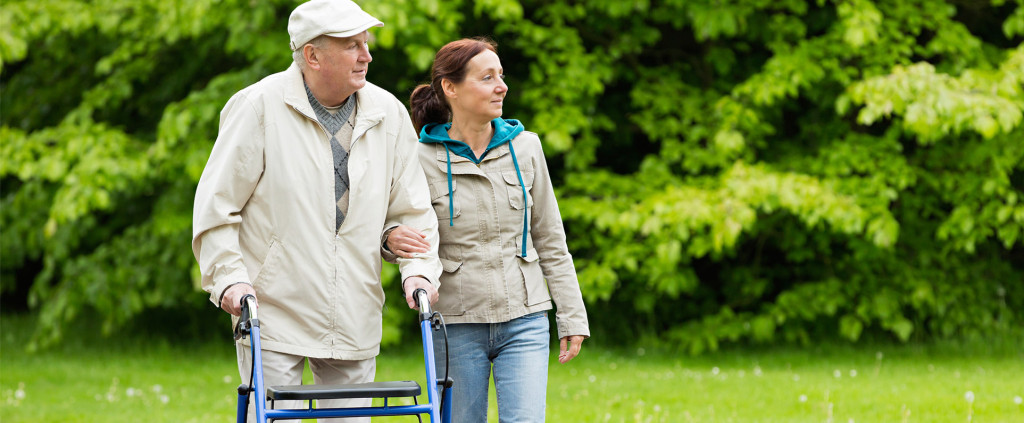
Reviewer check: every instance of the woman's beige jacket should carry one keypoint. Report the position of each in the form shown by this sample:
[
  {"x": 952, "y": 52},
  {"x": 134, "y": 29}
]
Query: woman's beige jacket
[{"x": 485, "y": 279}]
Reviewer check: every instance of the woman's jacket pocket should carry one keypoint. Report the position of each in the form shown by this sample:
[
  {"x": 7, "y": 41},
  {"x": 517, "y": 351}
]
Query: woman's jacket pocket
[
  {"x": 445, "y": 206},
  {"x": 533, "y": 276},
  {"x": 515, "y": 190}
]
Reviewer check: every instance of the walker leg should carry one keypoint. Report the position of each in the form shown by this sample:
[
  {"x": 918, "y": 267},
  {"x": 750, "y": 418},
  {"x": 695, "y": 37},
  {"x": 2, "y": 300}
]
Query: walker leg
[
  {"x": 446, "y": 413},
  {"x": 243, "y": 403}
]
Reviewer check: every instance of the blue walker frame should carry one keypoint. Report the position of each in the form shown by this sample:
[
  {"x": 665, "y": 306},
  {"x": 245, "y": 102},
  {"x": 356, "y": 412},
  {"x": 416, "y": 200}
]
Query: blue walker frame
[{"x": 249, "y": 325}]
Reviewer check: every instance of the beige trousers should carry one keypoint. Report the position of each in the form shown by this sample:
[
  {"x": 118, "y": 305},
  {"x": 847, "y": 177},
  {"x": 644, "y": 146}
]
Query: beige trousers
[{"x": 286, "y": 369}]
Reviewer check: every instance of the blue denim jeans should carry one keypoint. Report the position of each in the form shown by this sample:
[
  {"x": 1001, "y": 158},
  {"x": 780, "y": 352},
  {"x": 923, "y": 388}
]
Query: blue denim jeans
[{"x": 518, "y": 350}]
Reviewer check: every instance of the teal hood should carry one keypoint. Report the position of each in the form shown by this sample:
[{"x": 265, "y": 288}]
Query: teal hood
[
  {"x": 437, "y": 133},
  {"x": 504, "y": 131}
]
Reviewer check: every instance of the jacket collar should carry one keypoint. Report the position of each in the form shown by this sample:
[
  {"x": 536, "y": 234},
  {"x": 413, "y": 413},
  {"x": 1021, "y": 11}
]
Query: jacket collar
[
  {"x": 463, "y": 166},
  {"x": 495, "y": 153},
  {"x": 370, "y": 110}
]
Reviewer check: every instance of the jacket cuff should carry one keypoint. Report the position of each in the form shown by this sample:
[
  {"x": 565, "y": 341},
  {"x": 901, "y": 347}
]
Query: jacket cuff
[
  {"x": 385, "y": 253},
  {"x": 570, "y": 329},
  {"x": 217, "y": 293},
  {"x": 412, "y": 271}
]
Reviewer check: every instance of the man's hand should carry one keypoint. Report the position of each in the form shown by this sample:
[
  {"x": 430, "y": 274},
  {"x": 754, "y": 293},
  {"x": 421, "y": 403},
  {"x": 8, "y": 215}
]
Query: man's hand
[
  {"x": 405, "y": 241},
  {"x": 412, "y": 283},
  {"x": 231, "y": 301}
]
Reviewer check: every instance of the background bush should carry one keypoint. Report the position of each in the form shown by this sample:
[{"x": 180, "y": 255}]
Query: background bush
[{"x": 728, "y": 170}]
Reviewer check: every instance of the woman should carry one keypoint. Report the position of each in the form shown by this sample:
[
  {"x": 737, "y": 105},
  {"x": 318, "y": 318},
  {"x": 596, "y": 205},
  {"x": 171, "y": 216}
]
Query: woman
[{"x": 501, "y": 239}]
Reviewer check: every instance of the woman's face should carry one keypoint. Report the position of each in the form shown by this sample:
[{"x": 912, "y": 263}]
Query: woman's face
[{"x": 482, "y": 93}]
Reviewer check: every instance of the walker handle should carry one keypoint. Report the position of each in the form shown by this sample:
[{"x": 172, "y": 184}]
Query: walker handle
[
  {"x": 422, "y": 301},
  {"x": 249, "y": 307},
  {"x": 248, "y": 319}
]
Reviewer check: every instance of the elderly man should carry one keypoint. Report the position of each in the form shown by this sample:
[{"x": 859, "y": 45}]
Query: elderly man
[{"x": 311, "y": 168}]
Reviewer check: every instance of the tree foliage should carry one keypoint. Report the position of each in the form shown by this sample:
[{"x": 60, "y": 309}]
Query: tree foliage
[{"x": 728, "y": 170}]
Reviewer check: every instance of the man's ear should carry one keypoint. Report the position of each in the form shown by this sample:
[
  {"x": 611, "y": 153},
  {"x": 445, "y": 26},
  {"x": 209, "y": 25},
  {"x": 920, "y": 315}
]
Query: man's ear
[
  {"x": 309, "y": 54},
  {"x": 449, "y": 88}
]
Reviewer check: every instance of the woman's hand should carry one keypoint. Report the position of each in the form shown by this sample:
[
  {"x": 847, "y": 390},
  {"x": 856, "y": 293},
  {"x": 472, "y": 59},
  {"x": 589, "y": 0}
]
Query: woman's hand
[
  {"x": 405, "y": 241},
  {"x": 574, "y": 344}
]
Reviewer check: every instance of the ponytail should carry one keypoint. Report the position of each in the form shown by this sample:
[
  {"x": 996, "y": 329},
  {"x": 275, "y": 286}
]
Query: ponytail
[{"x": 427, "y": 107}]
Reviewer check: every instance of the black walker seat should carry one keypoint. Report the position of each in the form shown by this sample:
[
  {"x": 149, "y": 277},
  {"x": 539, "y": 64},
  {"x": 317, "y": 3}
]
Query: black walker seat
[{"x": 393, "y": 389}]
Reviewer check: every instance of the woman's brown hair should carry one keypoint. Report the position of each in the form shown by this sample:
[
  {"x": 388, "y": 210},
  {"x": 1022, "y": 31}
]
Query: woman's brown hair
[{"x": 427, "y": 101}]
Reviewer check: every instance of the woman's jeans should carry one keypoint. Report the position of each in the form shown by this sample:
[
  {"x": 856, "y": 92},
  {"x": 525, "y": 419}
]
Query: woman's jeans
[{"x": 519, "y": 351}]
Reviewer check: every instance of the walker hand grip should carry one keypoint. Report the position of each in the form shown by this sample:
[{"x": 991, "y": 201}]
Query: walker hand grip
[
  {"x": 247, "y": 320},
  {"x": 422, "y": 300},
  {"x": 248, "y": 303}
]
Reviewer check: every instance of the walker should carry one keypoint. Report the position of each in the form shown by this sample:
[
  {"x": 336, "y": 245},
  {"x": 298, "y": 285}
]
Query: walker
[{"x": 438, "y": 407}]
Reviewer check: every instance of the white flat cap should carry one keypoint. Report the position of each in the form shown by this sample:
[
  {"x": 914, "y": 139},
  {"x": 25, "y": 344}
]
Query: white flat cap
[{"x": 336, "y": 18}]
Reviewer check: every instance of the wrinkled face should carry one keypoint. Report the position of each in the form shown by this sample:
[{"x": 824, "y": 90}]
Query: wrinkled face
[
  {"x": 344, "y": 62},
  {"x": 482, "y": 93}
]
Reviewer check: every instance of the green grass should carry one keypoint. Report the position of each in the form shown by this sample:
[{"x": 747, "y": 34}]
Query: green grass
[{"x": 135, "y": 379}]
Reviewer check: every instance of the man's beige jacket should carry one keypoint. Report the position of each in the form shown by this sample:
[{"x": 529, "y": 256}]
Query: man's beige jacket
[{"x": 264, "y": 214}]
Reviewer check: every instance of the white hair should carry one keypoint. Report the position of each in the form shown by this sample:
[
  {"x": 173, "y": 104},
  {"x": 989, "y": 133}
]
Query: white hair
[{"x": 319, "y": 42}]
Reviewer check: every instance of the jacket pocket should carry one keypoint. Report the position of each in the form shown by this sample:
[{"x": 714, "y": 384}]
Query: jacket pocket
[
  {"x": 269, "y": 267},
  {"x": 450, "y": 301},
  {"x": 515, "y": 191},
  {"x": 439, "y": 199},
  {"x": 533, "y": 276}
]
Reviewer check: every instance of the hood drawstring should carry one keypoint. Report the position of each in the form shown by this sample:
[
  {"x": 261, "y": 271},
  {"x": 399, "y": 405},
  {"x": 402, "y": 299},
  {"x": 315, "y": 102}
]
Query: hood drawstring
[
  {"x": 519, "y": 174},
  {"x": 451, "y": 194},
  {"x": 526, "y": 205}
]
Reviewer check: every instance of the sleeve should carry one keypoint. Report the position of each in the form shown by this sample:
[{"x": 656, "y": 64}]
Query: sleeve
[
  {"x": 409, "y": 203},
  {"x": 228, "y": 180},
  {"x": 385, "y": 253},
  {"x": 549, "y": 240}
]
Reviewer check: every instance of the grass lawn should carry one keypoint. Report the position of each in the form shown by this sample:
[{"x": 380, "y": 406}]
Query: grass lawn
[{"x": 131, "y": 380}]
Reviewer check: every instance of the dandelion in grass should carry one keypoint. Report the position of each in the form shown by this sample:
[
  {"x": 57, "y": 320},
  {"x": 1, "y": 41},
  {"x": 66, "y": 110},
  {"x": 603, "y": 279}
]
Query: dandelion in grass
[
  {"x": 157, "y": 388},
  {"x": 715, "y": 371},
  {"x": 796, "y": 378},
  {"x": 640, "y": 352},
  {"x": 165, "y": 399},
  {"x": 837, "y": 373},
  {"x": 227, "y": 379},
  {"x": 969, "y": 396},
  {"x": 803, "y": 398},
  {"x": 112, "y": 391},
  {"x": 592, "y": 378},
  {"x": 757, "y": 371},
  {"x": 1018, "y": 400},
  {"x": 853, "y": 372},
  {"x": 130, "y": 392}
]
